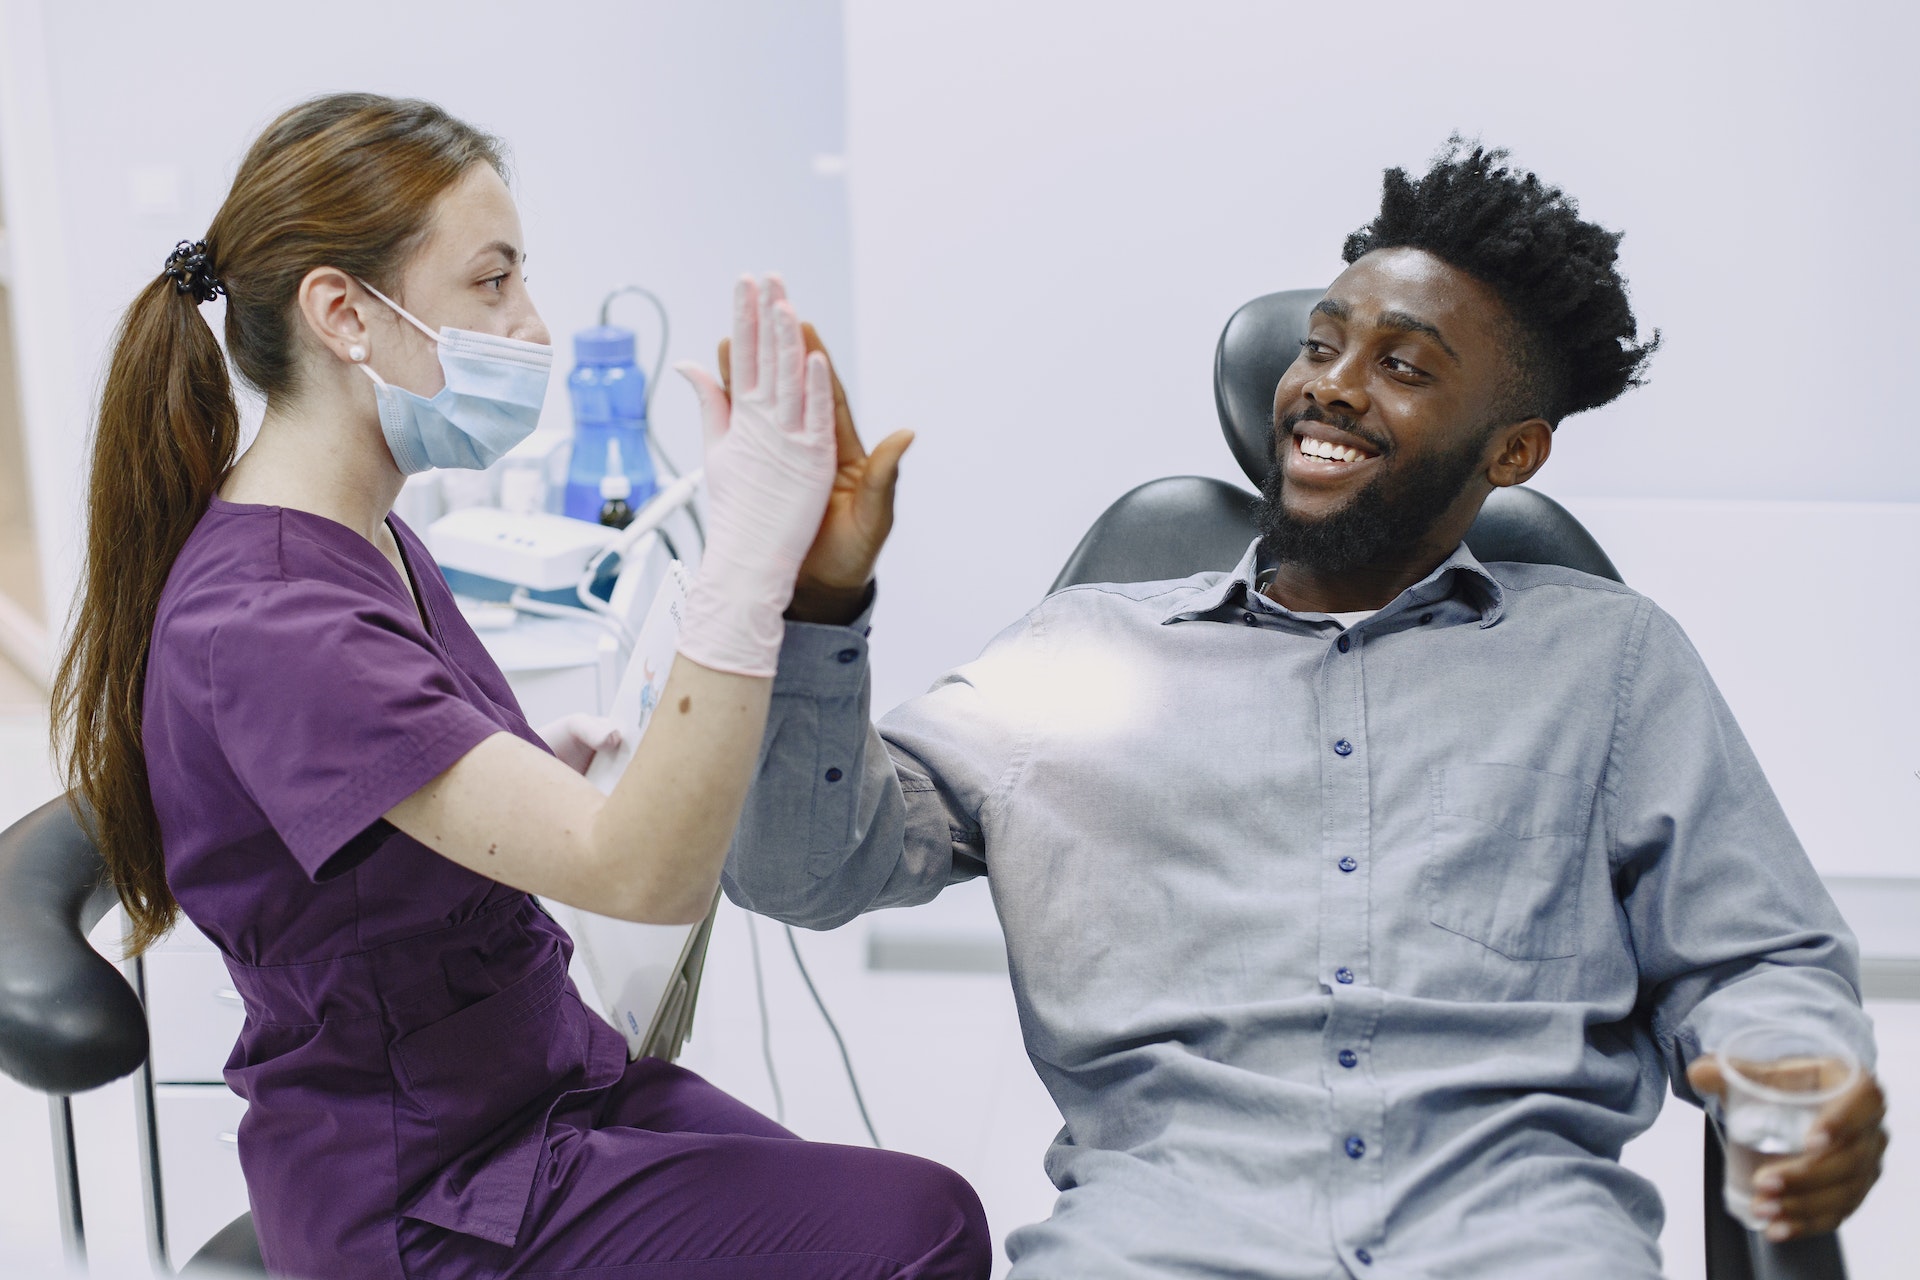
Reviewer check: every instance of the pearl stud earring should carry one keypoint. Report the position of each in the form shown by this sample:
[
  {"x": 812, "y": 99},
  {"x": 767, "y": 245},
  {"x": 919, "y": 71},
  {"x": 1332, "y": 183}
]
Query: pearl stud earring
[{"x": 356, "y": 353}]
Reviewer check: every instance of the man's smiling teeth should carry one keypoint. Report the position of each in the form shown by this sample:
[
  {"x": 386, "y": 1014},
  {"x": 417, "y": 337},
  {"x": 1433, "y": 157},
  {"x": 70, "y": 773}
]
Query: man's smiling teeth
[{"x": 1332, "y": 452}]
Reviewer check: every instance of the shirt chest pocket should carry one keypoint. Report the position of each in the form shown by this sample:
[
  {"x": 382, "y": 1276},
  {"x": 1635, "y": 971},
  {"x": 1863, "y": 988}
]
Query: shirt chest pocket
[{"x": 1504, "y": 855}]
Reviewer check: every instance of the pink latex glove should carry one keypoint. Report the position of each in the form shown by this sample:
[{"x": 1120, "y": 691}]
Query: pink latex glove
[{"x": 770, "y": 460}]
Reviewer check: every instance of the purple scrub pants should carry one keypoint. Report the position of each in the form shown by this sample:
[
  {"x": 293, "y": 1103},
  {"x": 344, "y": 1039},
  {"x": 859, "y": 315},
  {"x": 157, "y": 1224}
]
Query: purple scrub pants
[{"x": 681, "y": 1180}]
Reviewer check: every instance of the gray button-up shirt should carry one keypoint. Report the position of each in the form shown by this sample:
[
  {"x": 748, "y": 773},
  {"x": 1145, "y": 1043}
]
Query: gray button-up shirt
[{"x": 1342, "y": 952}]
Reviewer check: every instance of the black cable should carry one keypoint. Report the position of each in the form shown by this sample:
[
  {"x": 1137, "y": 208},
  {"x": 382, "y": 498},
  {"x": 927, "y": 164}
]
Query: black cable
[
  {"x": 794, "y": 945},
  {"x": 766, "y": 1028},
  {"x": 660, "y": 354}
]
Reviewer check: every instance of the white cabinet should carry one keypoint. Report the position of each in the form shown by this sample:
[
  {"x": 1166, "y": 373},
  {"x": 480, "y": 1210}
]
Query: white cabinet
[
  {"x": 200, "y": 1175},
  {"x": 555, "y": 666},
  {"x": 193, "y": 1015},
  {"x": 193, "y": 1018}
]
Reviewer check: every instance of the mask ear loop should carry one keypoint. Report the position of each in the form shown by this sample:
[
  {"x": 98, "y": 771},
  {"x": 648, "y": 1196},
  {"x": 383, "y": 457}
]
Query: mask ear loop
[
  {"x": 399, "y": 310},
  {"x": 358, "y": 354}
]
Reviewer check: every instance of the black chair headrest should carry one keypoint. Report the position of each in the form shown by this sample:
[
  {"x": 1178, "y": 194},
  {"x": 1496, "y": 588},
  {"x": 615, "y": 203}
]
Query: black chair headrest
[
  {"x": 1260, "y": 341},
  {"x": 68, "y": 1020},
  {"x": 1263, "y": 337}
]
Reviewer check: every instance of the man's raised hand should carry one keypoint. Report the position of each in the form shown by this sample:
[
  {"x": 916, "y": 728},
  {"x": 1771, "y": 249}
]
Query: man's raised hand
[{"x": 832, "y": 585}]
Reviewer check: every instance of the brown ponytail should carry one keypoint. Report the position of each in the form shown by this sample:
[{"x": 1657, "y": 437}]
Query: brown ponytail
[{"x": 345, "y": 181}]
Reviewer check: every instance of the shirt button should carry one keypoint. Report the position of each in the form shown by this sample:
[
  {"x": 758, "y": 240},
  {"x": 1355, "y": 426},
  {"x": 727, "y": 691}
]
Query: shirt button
[
  {"x": 847, "y": 655},
  {"x": 1343, "y": 748},
  {"x": 1348, "y": 864},
  {"x": 1249, "y": 619},
  {"x": 834, "y": 775},
  {"x": 1356, "y": 1148},
  {"x": 1344, "y": 644},
  {"x": 1365, "y": 1258},
  {"x": 1349, "y": 1059},
  {"x": 1343, "y": 974}
]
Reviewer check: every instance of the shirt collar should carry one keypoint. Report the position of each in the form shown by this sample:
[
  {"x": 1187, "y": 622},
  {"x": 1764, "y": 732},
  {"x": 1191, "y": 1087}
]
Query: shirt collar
[{"x": 1461, "y": 570}]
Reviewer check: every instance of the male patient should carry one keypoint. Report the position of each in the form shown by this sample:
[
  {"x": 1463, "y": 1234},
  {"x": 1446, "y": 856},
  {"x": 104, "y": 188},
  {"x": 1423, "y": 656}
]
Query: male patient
[{"x": 1362, "y": 901}]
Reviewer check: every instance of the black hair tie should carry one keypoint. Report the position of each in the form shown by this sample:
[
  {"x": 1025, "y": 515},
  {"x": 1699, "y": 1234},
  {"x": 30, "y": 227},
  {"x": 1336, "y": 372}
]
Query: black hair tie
[{"x": 187, "y": 265}]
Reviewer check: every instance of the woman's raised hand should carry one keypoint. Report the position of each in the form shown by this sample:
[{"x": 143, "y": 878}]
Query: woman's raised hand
[
  {"x": 770, "y": 466},
  {"x": 652, "y": 850},
  {"x": 832, "y": 586}
]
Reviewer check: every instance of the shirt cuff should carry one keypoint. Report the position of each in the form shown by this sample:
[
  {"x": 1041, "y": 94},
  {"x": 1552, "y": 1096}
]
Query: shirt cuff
[{"x": 820, "y": 661}]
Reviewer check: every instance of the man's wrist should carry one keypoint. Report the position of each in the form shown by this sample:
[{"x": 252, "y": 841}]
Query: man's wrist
[{"x": 828, "y": 606}]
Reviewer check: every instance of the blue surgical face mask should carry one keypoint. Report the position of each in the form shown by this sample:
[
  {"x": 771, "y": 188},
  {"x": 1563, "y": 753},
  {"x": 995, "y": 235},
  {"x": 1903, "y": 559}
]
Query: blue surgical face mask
[{"x": 491, "y": 402}]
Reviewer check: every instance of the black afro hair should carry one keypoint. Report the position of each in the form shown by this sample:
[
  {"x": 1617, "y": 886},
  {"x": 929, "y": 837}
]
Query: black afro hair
[{"x": 1575, "y": 334}]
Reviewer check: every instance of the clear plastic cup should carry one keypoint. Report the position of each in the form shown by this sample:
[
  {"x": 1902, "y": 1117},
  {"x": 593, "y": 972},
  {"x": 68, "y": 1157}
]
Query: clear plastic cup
[{"x": 1778, "y": 1079}]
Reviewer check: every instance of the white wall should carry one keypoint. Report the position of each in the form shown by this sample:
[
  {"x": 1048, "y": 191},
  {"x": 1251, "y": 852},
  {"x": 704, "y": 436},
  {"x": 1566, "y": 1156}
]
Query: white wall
[
  {"x": 653, "y": 142},
  {"x": 617, "y": 117},
  {"x": 1791, "y": 606},
  {"x": 39, "y": 324},
  {"x": 1057, "y": 205},
  {"x": 1053, "y": 209}
]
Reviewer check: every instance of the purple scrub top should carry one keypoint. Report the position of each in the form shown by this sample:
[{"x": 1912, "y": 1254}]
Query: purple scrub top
[{"x": 413, "y": 1046}]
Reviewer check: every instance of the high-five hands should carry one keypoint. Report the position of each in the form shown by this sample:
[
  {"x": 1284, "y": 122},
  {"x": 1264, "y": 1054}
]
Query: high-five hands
[
  {"x": 1812, "y": 1193},
  {"x": 832, "y": 585},
  {"x": 769, "y": 469}
]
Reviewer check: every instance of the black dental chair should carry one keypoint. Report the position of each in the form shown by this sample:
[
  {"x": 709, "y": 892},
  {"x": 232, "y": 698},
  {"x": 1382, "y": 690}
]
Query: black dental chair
[
  {"x": 70, "y": 1021},
  {"x": 1188, "y": 524}
]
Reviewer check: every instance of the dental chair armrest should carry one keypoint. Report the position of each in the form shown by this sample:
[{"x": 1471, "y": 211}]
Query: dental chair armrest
[
  {"x": 68, "y": 1019},
  {"x": 1814, "y": 1258}
]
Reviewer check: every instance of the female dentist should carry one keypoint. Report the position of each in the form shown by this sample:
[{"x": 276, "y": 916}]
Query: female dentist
[{"x": 284, "y": 728}]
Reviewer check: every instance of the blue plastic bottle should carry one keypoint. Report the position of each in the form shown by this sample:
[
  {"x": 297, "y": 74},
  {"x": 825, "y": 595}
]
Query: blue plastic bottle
[{"x": 609, "y": 403}]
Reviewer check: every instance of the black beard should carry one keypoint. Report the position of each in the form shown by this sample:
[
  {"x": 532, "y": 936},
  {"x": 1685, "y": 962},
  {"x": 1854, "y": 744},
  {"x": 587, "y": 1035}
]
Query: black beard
[{"x": 1383, "y": 523}]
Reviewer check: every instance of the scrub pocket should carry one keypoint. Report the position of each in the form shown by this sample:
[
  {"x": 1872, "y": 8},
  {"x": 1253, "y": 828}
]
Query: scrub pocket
[
  {"x": 470, "y": 1075},
  {"x": 1504, "y": 857}
]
